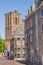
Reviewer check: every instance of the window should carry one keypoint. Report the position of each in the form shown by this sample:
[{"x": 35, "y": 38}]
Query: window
[
  {"x": 18, "y": 39},
  {"x": 24, "y": 49},
  {"x": 23, "y": 42},
  {"x": 24, "y": 39},
  {"x": 18, "y": 42},
  {"x": 18, "y": 50},
  {"x": 10, "y": 17},
  {"x": 31, "y": 32},
  {"x": 42, "y": 27},
  {"x": 8, "y": 20},
  {"x": 28, "y": 26},
  {"x": 16, "y": 20},
  {"x": 18, "y": 56},
  {"x": 41, "y": 12},
  {"x": 23, "y": 55},
  {"x": 28, "y": 38},
  {"x": 31, "y": 23},
  {"x": 30, "y": 35}
]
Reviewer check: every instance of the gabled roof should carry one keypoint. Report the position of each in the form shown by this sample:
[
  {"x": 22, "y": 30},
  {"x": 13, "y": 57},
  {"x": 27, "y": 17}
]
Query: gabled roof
[
  {"x": 33, "y": 12},
  {"x": 41, "y": 5}
]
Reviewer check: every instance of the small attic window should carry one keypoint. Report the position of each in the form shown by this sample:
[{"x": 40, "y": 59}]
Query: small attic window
[{"x": 41, "y": 12}]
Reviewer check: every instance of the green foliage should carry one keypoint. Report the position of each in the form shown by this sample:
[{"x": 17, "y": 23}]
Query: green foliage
[{"x": 1, "y": 45}]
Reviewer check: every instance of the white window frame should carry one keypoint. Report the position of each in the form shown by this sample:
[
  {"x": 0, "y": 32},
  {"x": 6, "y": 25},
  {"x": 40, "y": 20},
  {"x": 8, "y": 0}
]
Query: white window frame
[{"x": 18, "y": 42}]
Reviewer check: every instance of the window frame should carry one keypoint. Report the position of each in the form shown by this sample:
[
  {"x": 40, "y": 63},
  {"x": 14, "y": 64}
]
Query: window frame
[
  {"x": 28, "y": 38},
  {"x": 18, "y": 39},
  {"x": 15, "y": 20},
  {"x": 18, "y": 50},
  {"x": 31, "y": 38},
  {"x": 30, "y": 24},
  {"x": 41, "y": 27},
  {"x": 40, "y": 12},
  {"x": 18, "y": 55},
  {"x": 18, "y": 42}
]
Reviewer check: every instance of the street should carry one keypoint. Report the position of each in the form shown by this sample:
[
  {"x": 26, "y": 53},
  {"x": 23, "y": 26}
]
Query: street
[{"x": 4, "y": 61}]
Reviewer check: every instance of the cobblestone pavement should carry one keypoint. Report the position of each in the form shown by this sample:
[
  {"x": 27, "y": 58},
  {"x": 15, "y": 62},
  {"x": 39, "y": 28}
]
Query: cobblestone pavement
[{"x": 4, "y": 61}]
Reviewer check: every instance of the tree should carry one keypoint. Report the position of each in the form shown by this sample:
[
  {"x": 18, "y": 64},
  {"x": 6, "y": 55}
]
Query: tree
[{"x": 2, "y": 45}]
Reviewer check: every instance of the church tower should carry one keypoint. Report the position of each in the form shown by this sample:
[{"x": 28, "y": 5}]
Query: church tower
[{"x": 12, "y": 22}]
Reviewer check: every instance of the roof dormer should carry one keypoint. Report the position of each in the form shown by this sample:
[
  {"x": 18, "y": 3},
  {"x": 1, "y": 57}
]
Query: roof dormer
[{"x": 37, "y": 2}]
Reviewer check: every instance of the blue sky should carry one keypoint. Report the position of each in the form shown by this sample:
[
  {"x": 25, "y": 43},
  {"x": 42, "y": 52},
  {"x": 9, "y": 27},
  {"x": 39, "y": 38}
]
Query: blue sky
[{"x": 10, "y": 5}]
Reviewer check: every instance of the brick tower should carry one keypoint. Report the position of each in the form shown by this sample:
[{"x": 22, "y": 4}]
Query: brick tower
[{"x": 12, "y": 22}]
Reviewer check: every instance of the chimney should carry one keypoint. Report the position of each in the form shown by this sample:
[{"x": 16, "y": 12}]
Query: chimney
[
  {"x": 31, "y": 8},
  {"x": 28, "y": 11}
]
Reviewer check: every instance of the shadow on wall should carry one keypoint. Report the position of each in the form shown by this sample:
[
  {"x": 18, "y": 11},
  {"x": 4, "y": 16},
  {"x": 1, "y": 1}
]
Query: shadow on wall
[{"x": 27, "y": 62}]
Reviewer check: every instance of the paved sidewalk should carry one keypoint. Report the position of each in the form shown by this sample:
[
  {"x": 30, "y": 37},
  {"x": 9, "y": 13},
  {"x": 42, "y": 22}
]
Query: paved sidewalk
[{"x": 4, "y": 61}]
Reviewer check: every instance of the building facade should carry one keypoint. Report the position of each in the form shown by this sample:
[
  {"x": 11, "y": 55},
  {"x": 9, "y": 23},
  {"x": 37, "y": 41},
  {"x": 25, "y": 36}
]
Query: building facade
[
  {"x": 18, "y": 42},
  {"x": 12, "y": 25},
  {"x": 34, "y": 35}
]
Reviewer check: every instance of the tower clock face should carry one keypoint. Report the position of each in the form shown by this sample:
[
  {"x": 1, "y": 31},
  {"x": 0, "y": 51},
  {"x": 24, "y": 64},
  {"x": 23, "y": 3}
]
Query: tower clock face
[{"x": 21, "y": 32}]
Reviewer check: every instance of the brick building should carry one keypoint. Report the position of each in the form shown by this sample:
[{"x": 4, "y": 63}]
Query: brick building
[
  {"x": 34, "y": 34},
  {"x": 18, "y": 43},
  {"x": 12, "y": 26}
]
